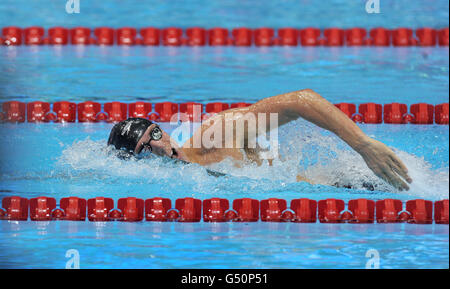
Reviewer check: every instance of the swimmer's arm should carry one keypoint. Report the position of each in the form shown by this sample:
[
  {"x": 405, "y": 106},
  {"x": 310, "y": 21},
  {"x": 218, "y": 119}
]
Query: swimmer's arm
[
  {"x": 317, "y": 110},
  {"x": 309, "y": 105},
  {"x": 314, "y": 108}
]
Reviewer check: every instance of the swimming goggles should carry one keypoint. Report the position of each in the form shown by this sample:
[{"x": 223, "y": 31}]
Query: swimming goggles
[{"x": 155, "y": 134}]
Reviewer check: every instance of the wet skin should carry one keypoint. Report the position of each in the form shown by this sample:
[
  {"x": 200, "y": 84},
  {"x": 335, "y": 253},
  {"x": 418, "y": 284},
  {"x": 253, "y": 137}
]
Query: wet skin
[{"x": 306, "y": 104}]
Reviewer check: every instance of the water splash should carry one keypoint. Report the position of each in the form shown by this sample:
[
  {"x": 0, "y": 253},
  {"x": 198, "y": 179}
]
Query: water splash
[{"x": 320, "y": 157}]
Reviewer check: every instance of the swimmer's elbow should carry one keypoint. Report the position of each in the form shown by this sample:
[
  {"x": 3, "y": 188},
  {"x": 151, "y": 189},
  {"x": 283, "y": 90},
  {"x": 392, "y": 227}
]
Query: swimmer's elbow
[
  {"x": 304, "y": 91},
  {"x": 307, "y": 90},
  {"x": 306, "y": 95}
]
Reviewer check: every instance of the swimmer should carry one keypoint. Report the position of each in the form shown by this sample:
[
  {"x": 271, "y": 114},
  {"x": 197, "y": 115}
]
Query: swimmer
[{"x": 137, "y": 135}]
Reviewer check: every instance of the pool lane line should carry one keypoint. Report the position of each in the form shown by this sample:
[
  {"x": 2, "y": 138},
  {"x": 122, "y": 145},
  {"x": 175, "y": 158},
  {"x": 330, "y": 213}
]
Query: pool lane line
[{"x": 132, "y": 209}]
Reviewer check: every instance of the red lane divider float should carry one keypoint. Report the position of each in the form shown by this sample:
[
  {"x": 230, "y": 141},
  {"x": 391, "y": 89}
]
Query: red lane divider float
[
  {"x": 242, "y": 36},
  {"x": 214, "y": 210},
  {"x": 189, "y": 209},
  {"x": 34, "y": 35},
  {"x": 89, "y": 111}
]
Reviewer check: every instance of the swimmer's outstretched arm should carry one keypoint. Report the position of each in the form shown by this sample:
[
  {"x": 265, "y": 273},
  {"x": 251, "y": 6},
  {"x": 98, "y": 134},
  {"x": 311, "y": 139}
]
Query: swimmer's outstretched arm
[{"x": 316, "y": 109}]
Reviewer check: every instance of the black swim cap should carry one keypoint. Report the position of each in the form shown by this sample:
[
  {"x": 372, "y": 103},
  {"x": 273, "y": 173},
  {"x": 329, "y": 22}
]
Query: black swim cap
[{"x": 127, "y": 133}]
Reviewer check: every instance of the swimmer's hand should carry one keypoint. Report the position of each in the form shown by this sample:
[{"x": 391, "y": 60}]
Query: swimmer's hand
[{"x": 385, "y": 164}]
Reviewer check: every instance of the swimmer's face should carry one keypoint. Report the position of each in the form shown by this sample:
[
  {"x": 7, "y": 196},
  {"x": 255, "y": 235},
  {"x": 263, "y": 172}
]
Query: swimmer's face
[{"x": 162, "y": 147}]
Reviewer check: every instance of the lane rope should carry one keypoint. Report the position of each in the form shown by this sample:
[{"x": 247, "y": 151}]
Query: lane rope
[
  {"x": 242, "y": 36},
  {"x": 131, "y": 209},
  {"x": 90, "y": 111}
]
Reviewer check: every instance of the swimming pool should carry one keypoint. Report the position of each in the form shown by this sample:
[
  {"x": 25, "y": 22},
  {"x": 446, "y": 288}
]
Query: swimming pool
[{"x": 60, "y": 160}]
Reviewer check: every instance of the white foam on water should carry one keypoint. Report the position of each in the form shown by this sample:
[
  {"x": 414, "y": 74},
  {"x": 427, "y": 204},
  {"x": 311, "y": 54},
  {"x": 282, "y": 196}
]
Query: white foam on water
[{"x": 97, "y": 158}]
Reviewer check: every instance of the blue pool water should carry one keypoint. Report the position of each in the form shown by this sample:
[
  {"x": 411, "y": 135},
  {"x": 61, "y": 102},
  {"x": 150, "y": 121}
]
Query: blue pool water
[
  {"x": 230, "y": 74},
  {"x": 72, "y": 160}
]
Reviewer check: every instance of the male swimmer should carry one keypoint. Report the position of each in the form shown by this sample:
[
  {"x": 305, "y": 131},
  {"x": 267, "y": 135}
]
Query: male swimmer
[{"x": 136, "y": 135}]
